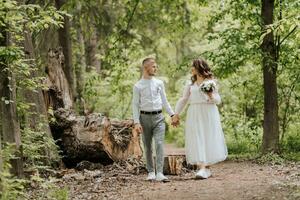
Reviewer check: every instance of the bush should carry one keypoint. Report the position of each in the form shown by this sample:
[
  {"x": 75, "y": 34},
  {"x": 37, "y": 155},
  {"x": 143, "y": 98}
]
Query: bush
[
  {"x": 292, "y": 143},
  {"x": 10, "y": 187},
  {"x": 238, "y": 147},
  {"x": 176, "y": 136}
]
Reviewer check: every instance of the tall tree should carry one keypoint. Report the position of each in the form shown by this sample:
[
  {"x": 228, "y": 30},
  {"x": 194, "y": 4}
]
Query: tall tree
[
  {"x": 1, "y": 160},
  {"x": 269, "y": 64},
  {"x": 65, "y": 42},
  {"x": 91, "y": 49},
  {"x": 35, "y": 98},
  {"x": 10, "y": 122},
  {"x": 79, "y": 70},
  {"x": 36, "y": 119}
]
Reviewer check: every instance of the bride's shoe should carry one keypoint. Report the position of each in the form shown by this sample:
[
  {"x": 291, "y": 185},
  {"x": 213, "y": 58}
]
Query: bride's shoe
[{"x": 201, "y": 174}]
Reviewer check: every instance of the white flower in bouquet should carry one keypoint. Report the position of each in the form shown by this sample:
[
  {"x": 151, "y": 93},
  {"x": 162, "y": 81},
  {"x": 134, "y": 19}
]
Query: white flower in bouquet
[{"x": 208, "y": 86}]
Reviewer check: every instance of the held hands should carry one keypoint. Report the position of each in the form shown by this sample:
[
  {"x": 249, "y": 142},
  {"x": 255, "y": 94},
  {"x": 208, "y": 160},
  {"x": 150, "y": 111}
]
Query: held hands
[{"x": 175, "y": 120}]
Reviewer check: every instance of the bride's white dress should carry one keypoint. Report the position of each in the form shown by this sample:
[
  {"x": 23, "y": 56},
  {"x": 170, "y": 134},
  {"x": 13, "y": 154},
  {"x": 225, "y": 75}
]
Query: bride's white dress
[{"x": 204, "y": 138}]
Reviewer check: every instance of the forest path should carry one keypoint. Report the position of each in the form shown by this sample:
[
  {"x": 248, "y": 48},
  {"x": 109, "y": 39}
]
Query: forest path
[{"x": 231, "y": 180}]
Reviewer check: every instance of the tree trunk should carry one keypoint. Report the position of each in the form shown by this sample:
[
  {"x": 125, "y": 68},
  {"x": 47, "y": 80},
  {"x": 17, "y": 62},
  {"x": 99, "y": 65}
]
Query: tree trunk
[
  {"x": 58, "y": 94},
  {"x": 269, "y": 64},
  {"x": 174, "y": 160},
  {"x": 65, "y": 42},
  {"x": 174, "y": 164},
  {"x": 37, "y": 118},
  {"x": 36, "y": 99},
  {"x": 79, "y": 70},
  {"x": 1, "y": 134},
  {"x": 94, "y": 138},
  {"x": 10, "y": 123},
  {"x": 91, "y": 49}
]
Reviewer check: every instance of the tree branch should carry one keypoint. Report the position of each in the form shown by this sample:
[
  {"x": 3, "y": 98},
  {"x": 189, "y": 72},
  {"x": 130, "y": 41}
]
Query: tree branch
[
  {"x": 128, "y": 23},
  {"x": 132, "y": 14},
  {"x": 290, "y": 33},
  {"x": 277, "y": 37}
]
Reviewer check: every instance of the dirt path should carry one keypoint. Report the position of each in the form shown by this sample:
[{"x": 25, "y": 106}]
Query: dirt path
[{"x": 231, "y": 180}]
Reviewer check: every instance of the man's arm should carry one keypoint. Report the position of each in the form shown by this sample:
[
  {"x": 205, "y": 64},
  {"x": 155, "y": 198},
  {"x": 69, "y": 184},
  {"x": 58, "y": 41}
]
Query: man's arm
[
  {"x": 165, "y": 102},
  {"x": 135, "y": 105}
]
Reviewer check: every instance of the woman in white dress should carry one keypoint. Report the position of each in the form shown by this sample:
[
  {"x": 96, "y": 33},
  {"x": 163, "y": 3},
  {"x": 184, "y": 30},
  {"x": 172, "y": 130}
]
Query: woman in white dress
[{"x": 204, "y": 139}]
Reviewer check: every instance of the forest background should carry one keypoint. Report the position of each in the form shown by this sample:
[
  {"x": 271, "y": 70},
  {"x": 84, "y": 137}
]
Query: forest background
[{"x": 252, "y": 47}]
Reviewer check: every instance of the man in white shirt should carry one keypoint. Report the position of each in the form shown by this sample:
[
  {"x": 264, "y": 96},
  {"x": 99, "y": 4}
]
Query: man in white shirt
[{"x": 149, "y": 98}]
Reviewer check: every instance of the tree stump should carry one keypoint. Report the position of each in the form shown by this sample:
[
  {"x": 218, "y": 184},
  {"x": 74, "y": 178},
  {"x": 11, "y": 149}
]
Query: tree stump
[
  {"x": 94, "y": 138},
  {"x": 174, "y": 164},
  {"x": 174, "y": 160}
]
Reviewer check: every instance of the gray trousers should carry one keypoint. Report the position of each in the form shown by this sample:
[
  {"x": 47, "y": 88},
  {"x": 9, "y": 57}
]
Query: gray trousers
[{"x": 153, "y": 127}]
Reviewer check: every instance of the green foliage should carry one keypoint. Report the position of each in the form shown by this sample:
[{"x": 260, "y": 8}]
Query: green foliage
[
  {"x": 232, "y": 46},
  {"x": 16, "y": 19},
  {"x": 291, "y": 156},
  {"x": 11, "y": 187},
  {"x": 129, "y": 38},
  {"x": 292, "y": 143},
  {"x": 46, "y": 189},
  {"x": 271, "y": 158},
  {"x": 35, "y": 147},
  {"x": 112, "y": 101},
  {"x": 43, "y": 153},
  {"x": 175, "y": 135},
  {"x": 59, "y": 194},
  {"x": 227, "y": 33},
  {"x": 31, "y": 18},
  {"x": 237, "y": 35}
]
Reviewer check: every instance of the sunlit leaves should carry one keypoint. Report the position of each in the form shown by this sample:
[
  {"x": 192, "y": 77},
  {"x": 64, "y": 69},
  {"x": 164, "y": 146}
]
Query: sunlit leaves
[
  {"x": 39, "y": 19},
  {"x": 238, "y": 32},
  {"x": 16, "y": 18}
]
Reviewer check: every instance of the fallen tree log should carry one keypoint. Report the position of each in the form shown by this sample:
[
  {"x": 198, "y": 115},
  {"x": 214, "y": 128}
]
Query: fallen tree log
[{"x": 94, "y": 138}]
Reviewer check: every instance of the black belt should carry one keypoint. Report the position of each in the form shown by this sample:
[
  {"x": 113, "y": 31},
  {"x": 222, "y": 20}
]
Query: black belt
[{"x": 151, "y": 112}]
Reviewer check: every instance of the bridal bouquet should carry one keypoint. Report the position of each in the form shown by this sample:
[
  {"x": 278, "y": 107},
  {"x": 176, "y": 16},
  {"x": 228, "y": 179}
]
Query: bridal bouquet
[{"x": 208, "y": 86}]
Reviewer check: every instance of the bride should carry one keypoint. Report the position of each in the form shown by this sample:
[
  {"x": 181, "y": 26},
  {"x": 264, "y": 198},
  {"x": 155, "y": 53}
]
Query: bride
[{"x": 204, "y": 138}]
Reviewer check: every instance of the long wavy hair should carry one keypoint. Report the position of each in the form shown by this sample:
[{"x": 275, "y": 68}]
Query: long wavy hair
[{"x": 202, "y": 69}]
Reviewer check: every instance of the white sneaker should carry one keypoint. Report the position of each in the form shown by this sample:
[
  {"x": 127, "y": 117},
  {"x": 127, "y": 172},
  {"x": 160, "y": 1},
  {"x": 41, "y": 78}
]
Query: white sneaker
[
  {"x": 161, "y": 177},
  {"x": 151, "y": 176},
  {"x": 201, "y": 174},
  {"x": 208, "y": 172}
]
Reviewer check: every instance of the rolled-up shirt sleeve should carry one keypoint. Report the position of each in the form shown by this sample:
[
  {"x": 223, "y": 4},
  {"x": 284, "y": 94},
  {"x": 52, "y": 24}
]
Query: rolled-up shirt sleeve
[
  {"x": 135, "y": 104},
  {"x": 165, "y": 102}
]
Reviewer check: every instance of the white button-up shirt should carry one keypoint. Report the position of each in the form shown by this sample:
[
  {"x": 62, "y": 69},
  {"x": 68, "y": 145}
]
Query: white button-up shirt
[{"x": 149, "y": 95}]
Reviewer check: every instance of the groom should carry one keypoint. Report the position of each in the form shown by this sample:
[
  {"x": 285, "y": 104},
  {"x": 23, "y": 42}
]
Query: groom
[{"x": 149, "y": 98}]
